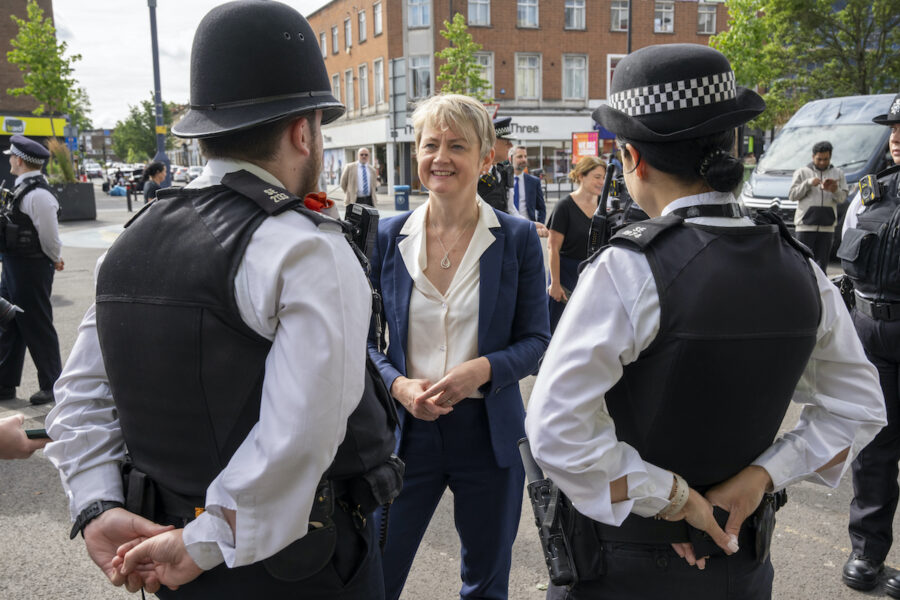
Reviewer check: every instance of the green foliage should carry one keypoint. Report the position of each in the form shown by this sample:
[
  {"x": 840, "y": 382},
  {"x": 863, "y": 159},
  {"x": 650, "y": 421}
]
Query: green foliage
[
  {"x": 799, "y": 50},
  {"x": 135, "y": 136},
  {"x": 461, "y": 73},
  {"x": 46, "y": 71},
  {"x": 60, "y": 170}
]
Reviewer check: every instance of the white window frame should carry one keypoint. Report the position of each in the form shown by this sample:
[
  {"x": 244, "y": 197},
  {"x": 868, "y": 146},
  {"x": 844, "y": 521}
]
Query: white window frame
[
  {"x": 348, "y": 33},
  {"x": 348, "y": 90},
  {"x": 376, "y": 18},
  {"x": 336, "y": 85},
  {"x": 418, "y": 13},
  {"x": 618, "y": 14},
  {"x": 584, "y": 76},
  {"x": 362, "y": 77},
  {"x": 610, "y": 59},
  {"x": 577, "y": 8},
  {"x": 522, "y": 8},
  {"x": 704, "y": 8},
  {"x": 361, "y": 25},
  {"x": 480, "y": 6},
  {"x": 425, "y": 60},
  {"x": 487, "y": 71},
  {"x": 661, "y": 9},
  {"x": 335, "y": 40},
  {"x": 378, "y": 80},
  {"x": 520, "y": 95},
  {"x": 323, "y": 42}
]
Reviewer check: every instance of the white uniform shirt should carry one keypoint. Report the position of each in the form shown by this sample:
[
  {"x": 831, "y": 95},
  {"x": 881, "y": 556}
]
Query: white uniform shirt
[
  {"x": 612, "y": 316},
  {"x": 522, "y": 211},
  {"x": 443, "y": 328},
  {"x": 42, "y": 208},
  {"x": 297, "y": 285}
]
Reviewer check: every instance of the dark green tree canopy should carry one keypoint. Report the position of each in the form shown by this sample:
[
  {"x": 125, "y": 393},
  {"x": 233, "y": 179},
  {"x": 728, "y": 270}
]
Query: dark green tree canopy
[
  {"x": 800, "y": 50},
  {"x": 461, "y": 72},
  {"x": 135, "y": 135}
]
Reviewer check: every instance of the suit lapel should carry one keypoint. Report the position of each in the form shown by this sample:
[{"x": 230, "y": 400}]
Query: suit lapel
[
  {"x": 491, "y": 264},
  {"x": 402, "y": 290}
]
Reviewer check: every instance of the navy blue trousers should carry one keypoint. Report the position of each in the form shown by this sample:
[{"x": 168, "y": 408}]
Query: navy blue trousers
[
  {"x": 875, "y": 489},
  {"x": 26, "y": 282},
  {"x": 455, "y": 451}
]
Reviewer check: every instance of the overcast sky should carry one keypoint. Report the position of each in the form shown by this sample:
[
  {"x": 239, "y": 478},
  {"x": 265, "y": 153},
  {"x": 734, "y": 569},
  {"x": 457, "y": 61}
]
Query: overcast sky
[{"x": 113, "y": 39}]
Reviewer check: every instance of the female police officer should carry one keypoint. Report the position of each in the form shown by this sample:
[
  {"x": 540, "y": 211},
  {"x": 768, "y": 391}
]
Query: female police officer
[{"x": 675, "y": 361}]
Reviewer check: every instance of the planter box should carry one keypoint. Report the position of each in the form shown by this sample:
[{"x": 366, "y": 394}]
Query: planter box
[{"x": 76, "y": 201}]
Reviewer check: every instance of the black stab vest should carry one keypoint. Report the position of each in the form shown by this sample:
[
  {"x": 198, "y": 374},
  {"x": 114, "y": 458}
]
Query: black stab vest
[
  {"x": 495, "y": 190},
  {"x": 739, "y": 310},
  {"x": 870, "y": 252},
  {"x": 20, "y": 236},
  {"x": 184, "y": 369}
]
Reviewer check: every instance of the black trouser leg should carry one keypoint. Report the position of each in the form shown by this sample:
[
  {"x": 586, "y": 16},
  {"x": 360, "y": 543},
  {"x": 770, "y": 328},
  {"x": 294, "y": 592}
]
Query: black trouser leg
[{"x": 819, "y": 243}]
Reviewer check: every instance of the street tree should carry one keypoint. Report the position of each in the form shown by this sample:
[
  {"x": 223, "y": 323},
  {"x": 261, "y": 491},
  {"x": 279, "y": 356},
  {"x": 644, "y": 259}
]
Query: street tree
[
  {"x": 46, "y": 70},
  {"x": 461, "y": 73},
  {"x": 136, "y": 134},
  {"x": 799, "y": 50}
]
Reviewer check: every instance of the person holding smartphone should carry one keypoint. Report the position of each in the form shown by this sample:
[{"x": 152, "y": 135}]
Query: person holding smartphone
[
  {"x": 818, "y": 188},
  {"x": 15, "y": 442}
]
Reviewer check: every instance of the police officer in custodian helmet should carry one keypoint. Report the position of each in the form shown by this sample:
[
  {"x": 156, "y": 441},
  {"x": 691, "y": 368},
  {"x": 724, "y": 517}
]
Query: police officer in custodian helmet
[
  {"x": 870, "y": 256},
  {"x": 671, "y": 370},
  {"x": 226, "y": 351}
]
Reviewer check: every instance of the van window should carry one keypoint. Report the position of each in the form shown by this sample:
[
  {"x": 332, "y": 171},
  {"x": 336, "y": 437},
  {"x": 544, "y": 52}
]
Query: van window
[{"x": 792, "y": 149}]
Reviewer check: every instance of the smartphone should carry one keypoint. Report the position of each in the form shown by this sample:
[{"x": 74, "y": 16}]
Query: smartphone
[{"x": 36, "y": 434}]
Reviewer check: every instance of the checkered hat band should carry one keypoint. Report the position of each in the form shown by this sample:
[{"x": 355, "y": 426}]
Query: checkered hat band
[
  {"x": 26, "y": 157},
  {"x": 503, "y": 130},
  {"x": 675, "y": 95}
]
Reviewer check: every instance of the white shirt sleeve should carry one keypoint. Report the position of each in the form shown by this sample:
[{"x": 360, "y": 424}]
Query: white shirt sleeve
[
  {"x": 42, "y": 208},
  {"x": 850, "y": 219}
]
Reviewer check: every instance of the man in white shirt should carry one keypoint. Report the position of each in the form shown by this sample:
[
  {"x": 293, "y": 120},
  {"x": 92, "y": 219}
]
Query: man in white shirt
[
  {"x": 197, "y": 358},
  {"x": 358, "y": 180},
  {"x": 526, "y": 198}
]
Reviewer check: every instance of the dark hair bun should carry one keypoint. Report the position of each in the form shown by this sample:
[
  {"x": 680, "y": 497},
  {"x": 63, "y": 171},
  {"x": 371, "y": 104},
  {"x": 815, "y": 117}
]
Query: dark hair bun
[{"x": 722, "y": 171}]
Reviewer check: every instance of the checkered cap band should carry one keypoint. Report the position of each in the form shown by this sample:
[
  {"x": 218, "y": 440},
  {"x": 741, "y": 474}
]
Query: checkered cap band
[
  {"x": 501, "y": 131},
  {"x": 24, "y": 156},
  {"x": 674, "y": 95}
]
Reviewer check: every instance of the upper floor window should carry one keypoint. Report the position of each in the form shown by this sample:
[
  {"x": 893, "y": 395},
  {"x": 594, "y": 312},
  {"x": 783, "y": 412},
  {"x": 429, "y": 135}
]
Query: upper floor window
[
  {"x": 420, "y": 75},
  {"x": 363, "y": 85},
  {"x": 336, "y": 86},
  {"x": 575, "y": 14},
  {"x": 323, "y": 42},
  {"x": 528, "y": 76},
  {"x": 334, "y": 40},
  {"x": 527, "y": 13},
  {"x": 348, "y": 89},
  {"x": 378, "y": 80},
  {"x": 361, "y": 23},
  {"x": 706, "y": 19},
  {"x": 574, "y": 77},
  {"x": 348, "y": 33},
  {"x": 618, "y": 19},
  {"x": 486, "y": 61},
  {"x": 479, "y": 12},
  {"x": 664, "y": 17},
  {"x": 419, "y": 13},
  {"x": 376, "y": 18}
]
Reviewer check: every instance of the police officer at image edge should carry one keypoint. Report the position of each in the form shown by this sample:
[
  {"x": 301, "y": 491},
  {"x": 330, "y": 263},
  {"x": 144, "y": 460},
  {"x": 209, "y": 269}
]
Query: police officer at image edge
[
  {"x": 269, "y": 471},
  {"x": 494, "y": 186},
  {"x": 870, "y": 257},
  {"x": 693, "y": 306},
  {"x": 31, "y": 253}
]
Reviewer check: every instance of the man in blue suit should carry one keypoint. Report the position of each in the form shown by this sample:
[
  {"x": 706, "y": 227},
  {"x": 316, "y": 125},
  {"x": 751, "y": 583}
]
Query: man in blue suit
[{"x": 526, "y": 198}]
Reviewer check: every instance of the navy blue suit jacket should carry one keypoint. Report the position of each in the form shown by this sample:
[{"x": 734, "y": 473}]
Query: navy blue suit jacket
[
  {"x": 513, "y": 320},
  {"x": 534, "y": 198}
]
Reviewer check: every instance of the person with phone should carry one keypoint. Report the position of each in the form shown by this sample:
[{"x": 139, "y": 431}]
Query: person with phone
[
  {"x": 818, "y": 188},
  {"x": 15, "y": 442}
]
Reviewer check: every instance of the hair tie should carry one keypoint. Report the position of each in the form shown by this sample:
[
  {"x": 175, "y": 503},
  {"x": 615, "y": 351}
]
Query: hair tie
[{"x": 708, "y": 161}]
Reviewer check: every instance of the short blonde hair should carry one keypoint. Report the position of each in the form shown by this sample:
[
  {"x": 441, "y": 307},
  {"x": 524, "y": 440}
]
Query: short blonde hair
[
  {"x": 464, "y": 115},
  {"x": 585, "y": 166}
]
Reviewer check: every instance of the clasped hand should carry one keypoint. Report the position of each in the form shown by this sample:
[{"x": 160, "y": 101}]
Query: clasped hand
[{"x": 428, "y": 401}]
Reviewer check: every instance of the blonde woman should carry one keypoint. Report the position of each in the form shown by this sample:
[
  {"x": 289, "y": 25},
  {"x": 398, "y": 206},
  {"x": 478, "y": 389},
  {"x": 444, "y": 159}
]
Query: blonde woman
[
  {"x": 466, "y": 316},
  {"x": 569, "y": 226}
]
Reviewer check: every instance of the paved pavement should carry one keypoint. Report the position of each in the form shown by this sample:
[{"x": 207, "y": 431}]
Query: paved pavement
[{"x": 37, "y": 560}]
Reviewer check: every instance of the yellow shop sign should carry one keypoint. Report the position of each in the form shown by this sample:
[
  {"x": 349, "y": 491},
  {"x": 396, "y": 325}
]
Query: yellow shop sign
[{"x": 36, "y": 126}]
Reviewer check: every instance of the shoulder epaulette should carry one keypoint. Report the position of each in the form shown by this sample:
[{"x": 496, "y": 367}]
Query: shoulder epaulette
[
  {"x": 271, "y": 198},
  {"x": 641, "y": 234}
]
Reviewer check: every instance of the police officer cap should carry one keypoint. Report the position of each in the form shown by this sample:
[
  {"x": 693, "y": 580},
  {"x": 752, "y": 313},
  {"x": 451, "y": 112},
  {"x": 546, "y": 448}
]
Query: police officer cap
[
  {"x": 673, "y": 92},
  {"x": 27, "y": 149},
  {"x": 892, "y": 117},
  {"x": 252, "y": 62},
  {"x": 503, "y": 127}
]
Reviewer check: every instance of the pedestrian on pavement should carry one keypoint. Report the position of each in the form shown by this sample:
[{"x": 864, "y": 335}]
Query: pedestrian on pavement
[
  {"x": 31, "y": 255},
  {"x": 870, "y": 256},
  {"x": 672, "y": 368},
  {"x": 818, "y": 188},
  {"x": 570, "y": 227},
  {"x": 269, "y": 468},
  {"x": 466, "y": 313},
  {"x": 359, "y": 180},
  {"x": 495, "y": 184},
  {"x": 13, "y": 441},
  {"x": 526, "y": 198},
  {"x": 154, "y": 175}
]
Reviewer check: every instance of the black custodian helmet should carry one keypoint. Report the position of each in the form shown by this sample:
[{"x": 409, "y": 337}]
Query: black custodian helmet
[{"x": 252, "y": 62}]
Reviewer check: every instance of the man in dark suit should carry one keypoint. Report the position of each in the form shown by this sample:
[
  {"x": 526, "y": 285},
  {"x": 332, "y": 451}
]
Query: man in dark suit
[{"x": 526, "y": 198}]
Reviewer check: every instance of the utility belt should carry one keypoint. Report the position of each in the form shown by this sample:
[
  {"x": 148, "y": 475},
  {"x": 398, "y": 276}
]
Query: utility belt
[
  {"x": 358, "y": 497},
  {"x": 878, "y": 310}
]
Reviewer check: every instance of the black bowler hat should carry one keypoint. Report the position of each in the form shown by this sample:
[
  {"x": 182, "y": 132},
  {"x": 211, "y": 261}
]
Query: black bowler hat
[
  {"x": 252, "y": 62},
  {"x": 673, "y": 92},
  {"x": 503, "y": 127},
  {"x": 27, "y": 149},
  {"x": 892, "y": 117}
]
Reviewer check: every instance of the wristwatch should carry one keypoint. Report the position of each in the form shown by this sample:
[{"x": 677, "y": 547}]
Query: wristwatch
[{"x": 91, "y": 512}]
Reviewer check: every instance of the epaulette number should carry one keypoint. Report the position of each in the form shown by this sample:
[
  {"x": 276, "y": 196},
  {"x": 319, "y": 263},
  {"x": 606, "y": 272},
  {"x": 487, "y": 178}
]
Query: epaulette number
[
  {"x": 275, "y": 196},
  {"x": 634, "y": 232}
]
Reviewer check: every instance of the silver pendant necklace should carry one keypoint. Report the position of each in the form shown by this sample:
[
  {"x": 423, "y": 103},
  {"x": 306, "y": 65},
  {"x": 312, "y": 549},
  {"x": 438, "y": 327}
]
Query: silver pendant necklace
[{"x": 445, "y": 262}]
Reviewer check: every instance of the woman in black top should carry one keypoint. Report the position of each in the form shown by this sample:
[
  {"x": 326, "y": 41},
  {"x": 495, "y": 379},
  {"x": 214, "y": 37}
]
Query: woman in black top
[
  {"x": 154, "y": 175},
  {"x": 569, "y": 227}
]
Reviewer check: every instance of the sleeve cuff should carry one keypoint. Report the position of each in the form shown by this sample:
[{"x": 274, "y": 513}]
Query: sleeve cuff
[
  {"x": 209, "y": 541},
  {"x": 650, "y": 491},
  {"x": 103, "y": 482}
]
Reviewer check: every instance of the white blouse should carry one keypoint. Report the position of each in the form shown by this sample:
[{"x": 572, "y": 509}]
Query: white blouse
[{"x": 443, "y": 328}]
